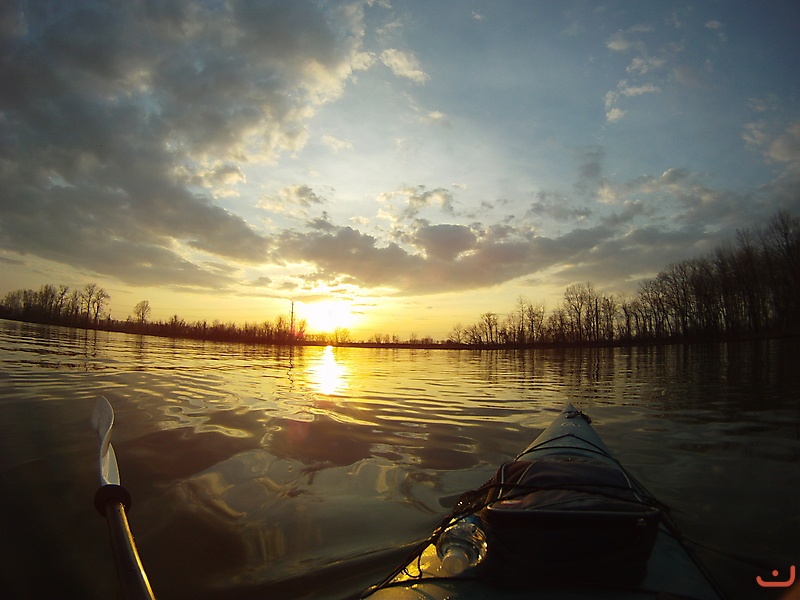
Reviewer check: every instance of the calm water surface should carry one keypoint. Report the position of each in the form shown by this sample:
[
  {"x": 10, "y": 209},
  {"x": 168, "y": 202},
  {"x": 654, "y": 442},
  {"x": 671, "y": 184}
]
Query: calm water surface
[{"x": 260, "y": 473}]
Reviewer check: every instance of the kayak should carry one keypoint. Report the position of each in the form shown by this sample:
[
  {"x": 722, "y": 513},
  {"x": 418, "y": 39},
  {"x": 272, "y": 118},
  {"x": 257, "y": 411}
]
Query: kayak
[{"x": 564, "y": 520}]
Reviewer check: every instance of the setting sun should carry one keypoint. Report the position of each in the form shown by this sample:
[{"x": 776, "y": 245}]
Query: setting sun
[{"x": 328, "y": 316}]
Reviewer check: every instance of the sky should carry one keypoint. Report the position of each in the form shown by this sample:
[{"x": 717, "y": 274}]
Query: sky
[{"x": 393, "y": 167}]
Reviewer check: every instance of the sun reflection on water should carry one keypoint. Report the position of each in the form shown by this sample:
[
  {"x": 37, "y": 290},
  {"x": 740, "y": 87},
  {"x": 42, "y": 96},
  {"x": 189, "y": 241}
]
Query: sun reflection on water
[{"x": 327, "y": 375}]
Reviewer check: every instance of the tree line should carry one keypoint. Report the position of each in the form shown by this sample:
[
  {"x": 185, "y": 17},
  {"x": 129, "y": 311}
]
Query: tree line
[
  {"x": 749, "y": 288},
  {"x": 57, "y": 305},
  {"x": 87, "y": 307}
]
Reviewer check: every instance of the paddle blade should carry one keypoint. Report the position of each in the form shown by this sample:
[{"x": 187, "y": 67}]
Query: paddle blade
[{"x": 102, "y": 421}]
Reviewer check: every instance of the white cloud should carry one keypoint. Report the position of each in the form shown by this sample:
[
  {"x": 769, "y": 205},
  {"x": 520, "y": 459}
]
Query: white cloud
[
  {"x": 404, "y": 64},
  {"x": 754, "y": 134},
  {"x": 786, "y": 147},
  {"x": 638, "y": 90},
  {"x": 615, "y": 114},
  {"x": 718, "y": 27},
  {"x": 288, "y": 199},
  {"x": 642, "y": 66},
  {"x": 336, "y": 144},
  {"x": 435, "y": 117},
  {"x": 776, "y": 147},
  {"x": 763, "y": 104},
  {"x": 623, "y": 40},
  {"x": 618, "y": 42}
]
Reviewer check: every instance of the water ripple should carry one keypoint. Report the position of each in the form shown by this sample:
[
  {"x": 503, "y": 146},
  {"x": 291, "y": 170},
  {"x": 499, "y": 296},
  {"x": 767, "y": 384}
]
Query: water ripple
[{"x": 294, "y": 460}]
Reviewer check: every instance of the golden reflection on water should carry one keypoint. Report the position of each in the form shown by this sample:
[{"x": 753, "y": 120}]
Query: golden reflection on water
[{"x": 326, "y": 375}]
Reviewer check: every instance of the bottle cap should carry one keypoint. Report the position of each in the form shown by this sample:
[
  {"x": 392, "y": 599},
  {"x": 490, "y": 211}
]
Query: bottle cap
[{"x": 455, "y": 561}]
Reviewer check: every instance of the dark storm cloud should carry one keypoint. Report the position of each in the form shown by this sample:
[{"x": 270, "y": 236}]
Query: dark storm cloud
[{"x": 112, "y": 115}]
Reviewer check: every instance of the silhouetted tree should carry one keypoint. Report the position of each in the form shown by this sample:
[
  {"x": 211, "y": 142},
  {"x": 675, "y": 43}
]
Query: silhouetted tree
[{"x": 141, "y": 311}]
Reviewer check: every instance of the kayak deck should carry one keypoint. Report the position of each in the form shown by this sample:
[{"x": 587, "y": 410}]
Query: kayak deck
[{"x": 671, "y": 570}]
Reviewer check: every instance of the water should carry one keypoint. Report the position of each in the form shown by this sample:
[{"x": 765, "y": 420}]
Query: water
[{"x": 260, "y": 473}]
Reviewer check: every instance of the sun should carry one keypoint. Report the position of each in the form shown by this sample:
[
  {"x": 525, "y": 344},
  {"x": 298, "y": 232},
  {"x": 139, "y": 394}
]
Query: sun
[{"x": 328, "y": 316}]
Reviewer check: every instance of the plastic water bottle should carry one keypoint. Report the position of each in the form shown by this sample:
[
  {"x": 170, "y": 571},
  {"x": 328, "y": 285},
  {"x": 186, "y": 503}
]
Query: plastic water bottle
[{"x": 462, "y": 545}]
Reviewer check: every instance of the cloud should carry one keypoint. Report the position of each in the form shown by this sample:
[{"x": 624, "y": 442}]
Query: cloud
[
  {"x": 636, "y": 224},
  {"x": 786, "y": 147},
  {"x": 263, "y": 281},
  {"x": 444, "y": 242},
  {"x": 432, "y": 258},
  {"x": 638, "y": 90},
  {"x": 642, "y": 66},
  {"x": 614, "y": 114},
  {"x": 622, "y": 40},
  {"x": 336, "y": 144},
  {"x": 688, "y": 75},
  {"x": 125, "y": 125},
  {"x": 119, "y": 118},
  {"x": 414, "y": 199},
  {"x": 590, "y": 170},
  {"x": 435, "y": 116},
  {"x": 718, "y": 27},
  {"x": 625, "y": 90},
  {"x": 404, "y": 64},
  {"x": 776, "y": 147},
  {"x": 220, "y": 179},
  {"x": 300, "y": 194},
  {"x": 556, "y": 205},
  {"x": 763, "y": 104},
  {"x": 293, "y": 200},
  {"x": 618, "y": 42}
]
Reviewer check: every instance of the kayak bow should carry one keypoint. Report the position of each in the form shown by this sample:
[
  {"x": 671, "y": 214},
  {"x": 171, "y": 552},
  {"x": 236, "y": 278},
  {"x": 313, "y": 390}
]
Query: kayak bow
[
  {"x": 112, "y": 501},
  {"x": 564, "y": 520}
]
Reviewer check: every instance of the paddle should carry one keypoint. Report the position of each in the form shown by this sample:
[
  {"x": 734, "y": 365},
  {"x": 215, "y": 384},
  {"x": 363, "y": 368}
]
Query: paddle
[{"x": 111, "y": 501}]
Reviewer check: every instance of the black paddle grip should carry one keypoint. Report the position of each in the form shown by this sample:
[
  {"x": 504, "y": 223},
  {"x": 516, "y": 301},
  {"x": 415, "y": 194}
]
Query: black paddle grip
[{"x": 111, "y": 493}]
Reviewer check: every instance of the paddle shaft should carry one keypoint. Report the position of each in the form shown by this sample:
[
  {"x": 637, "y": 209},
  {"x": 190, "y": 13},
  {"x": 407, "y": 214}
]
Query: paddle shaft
[{"x": 132, "y": 578}]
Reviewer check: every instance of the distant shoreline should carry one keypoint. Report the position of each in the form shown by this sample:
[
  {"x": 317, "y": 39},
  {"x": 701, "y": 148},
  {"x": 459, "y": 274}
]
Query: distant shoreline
[{"x": 125, "y": 327}]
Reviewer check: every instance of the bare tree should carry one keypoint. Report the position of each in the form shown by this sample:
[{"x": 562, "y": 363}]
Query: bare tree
[
  {"x": 341, "y": 335},
  {"x": 490, "y": 324},
  {"x": 99, "y": 301},
  {"x": 457, "y": 334},
  {"x": 87, "y": 295},
  {"x": 578, "y": 300},
  {"x": 534, "y": 321},
  {"x": 142, "y": 311}
]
